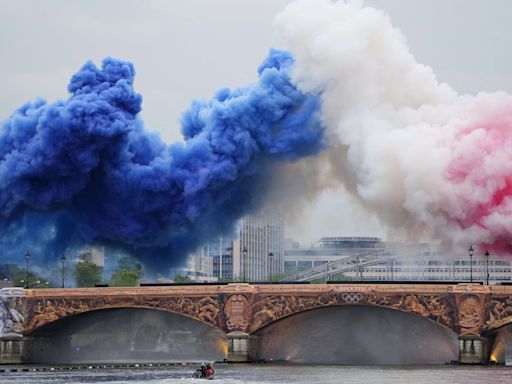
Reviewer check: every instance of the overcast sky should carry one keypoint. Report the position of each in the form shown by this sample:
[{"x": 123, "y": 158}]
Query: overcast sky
[{"x": 188, "y": 49}]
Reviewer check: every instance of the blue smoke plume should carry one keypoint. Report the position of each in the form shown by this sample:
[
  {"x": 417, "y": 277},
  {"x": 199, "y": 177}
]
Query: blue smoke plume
[{"x": 85, "y": 168}]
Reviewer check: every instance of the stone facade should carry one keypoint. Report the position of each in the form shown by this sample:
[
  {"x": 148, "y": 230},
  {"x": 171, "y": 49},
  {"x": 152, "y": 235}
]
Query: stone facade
[{"x": 470, "y": 310}]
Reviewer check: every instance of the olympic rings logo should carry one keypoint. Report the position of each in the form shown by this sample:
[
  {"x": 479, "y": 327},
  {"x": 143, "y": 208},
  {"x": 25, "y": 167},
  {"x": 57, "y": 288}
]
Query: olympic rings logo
[{"x": 352, "y": 297}]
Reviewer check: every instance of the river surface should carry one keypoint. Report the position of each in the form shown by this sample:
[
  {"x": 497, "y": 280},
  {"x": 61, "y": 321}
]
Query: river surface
[{"x": 268, "y": 373}]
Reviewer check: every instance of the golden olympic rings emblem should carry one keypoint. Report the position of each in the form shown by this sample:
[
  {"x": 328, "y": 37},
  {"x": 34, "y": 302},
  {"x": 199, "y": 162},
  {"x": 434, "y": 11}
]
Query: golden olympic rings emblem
[{"x": 352, "y": 297}]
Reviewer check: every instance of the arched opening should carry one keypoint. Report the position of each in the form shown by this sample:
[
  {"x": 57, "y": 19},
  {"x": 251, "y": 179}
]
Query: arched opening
[
  {"x": 500, "y": 341},
  {"x": 126, "y": 335},
  {"x": 357, "y": 335}
]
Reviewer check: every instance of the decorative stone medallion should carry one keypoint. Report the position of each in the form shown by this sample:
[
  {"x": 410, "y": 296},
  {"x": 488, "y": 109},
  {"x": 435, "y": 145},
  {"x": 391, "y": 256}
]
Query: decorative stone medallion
[{"x": 237, "y": 311}]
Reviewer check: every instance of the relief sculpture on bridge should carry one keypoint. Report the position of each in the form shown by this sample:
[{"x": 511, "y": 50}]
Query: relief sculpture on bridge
[
  {"x": 42, "y": 311},
  {"x": 236, "y": 310},
  {"x": 436, "y": 308},
  {"x": 12, "y": 321},
  {"x": 500, "y": 311},
  {"x": 470, "y": 314},
  {"x": 268, "y": 309},
  {"x": 243, "y": 309}
]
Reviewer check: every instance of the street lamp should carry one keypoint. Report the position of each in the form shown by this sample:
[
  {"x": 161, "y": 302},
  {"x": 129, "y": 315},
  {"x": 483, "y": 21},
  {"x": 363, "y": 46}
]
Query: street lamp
[
  {"x": 471, "y": 252},
  {"x": 271, "y": 260},
  {"x": 487, "y": 254},
  {"x": 27, "y": 258},
  {"x": 244, "y": 252},
  {"x": 63, "y": 260}
]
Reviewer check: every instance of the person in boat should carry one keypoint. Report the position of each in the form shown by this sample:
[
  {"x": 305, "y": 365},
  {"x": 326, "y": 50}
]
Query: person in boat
[
  {"x": 200, "y": 372},
  {"x": 210, "y": 372},
  {"x": 197, "y": 374}
]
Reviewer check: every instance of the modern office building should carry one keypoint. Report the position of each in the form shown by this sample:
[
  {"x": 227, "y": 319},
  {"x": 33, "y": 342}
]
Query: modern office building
[
  {"x": 367, "y": 258},
  {"x": 254, "y": 253},
  {"x": 440, "y": 268},
  {"x": 221, "y": 252},
  {"x": 259, "y": 249},
  {"x": 327, "y": 249},
  {"x": 200, "y": 267}
]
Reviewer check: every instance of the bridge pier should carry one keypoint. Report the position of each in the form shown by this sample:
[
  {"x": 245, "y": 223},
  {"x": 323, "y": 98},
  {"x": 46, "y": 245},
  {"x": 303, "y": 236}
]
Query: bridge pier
[
  {"x": 14, "y": 349},
  {"x": 241, "y": 347},
  {"x": 473, "y": 350}
]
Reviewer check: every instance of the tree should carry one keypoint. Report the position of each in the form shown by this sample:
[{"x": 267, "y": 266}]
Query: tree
[
  {"x": 17, "y": 277},
  {"x": 87, "y": 274},
  {"x": 182, "y": 279},
  {"x": 126, "y": 277}
]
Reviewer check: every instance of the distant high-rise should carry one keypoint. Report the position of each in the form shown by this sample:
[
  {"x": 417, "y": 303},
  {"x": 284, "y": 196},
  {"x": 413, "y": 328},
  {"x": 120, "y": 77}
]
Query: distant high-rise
[
  {"x": 200, "y": 265},
  {"x": 259, "y": 249},
  {"x": 254, "y": 253}
]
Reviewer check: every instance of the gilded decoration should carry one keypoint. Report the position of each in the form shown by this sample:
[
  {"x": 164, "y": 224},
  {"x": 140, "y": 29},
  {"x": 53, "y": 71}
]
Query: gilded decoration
[
  {"x": 237, "y": 313},
  {"x": 439, "y": 309},
  {"x": 500, "y": 311},
  {"x": 266, "y": 310},
  {"x": 466, "y": 309},
  {"x": 42, "y": 311},
  {"x": 470, "y": 314}
]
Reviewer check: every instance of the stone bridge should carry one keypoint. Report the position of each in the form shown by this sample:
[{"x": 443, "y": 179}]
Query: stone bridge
[{"x": 474, "y": 312}]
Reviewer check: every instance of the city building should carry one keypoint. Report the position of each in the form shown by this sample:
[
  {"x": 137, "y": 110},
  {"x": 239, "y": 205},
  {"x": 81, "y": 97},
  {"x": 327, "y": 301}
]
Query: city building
[
  {"x": 326, "y": 250},
  {"x": 93, "y": 254},
  {"x": 200, "y": 267},
  {"x": 367, "y": 258},
  {"x": 440, "y": 268},
  {"x": 260, "y": 247},
  {"x": 255, "y": 252}
]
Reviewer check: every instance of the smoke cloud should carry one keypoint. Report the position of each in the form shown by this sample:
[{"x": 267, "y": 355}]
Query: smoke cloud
[
  {"x": 85, "y": 167},
  {"x": 428, "y": 161}
]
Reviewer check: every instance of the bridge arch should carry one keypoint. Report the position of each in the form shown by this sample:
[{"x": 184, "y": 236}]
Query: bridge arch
[
  {"x": 436, "y": 309},
  {"x": 356, "y": 335},
  {"x": 126, "y": 334},
  {"x": 43, "y": 311}
]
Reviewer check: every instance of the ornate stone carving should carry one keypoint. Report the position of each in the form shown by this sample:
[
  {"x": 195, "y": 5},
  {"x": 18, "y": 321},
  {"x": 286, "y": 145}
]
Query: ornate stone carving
[
  {"x": 237, "y": 313},
  {"x": 470, "y": 314},
  {"x": 12, "y": 322},
  {"x": 247, "y": 308},
  {"x": 42, "y": 311},
  {"x": 499, "y": 311},
  {"x": 437, "y": 308}
]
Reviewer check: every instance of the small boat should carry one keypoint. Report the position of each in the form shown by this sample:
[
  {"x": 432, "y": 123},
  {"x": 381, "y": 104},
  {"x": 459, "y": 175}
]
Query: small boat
[{"x": 204, "y": 373}]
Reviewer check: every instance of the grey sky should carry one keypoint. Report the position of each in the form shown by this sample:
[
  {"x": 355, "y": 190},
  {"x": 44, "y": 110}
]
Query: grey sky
[{"x": 189, "y": 49}]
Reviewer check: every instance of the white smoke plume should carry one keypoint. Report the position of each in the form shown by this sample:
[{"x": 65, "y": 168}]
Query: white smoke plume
[{"x": 425, "y": 159}]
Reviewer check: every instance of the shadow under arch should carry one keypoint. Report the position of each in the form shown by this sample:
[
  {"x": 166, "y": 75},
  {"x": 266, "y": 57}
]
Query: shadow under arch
[
  {"x": 357, "y": 335},
  {"x": 126, "y": 334}
]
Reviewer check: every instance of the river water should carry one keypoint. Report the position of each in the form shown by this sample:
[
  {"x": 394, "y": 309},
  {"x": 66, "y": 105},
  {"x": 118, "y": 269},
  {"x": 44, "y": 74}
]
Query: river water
[{"x": 269, "y": 373}]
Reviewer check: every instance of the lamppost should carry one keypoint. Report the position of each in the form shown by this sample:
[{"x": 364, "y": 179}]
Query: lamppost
[
  {"x": 471, "y": 252},
  {"x": 244, "y": 252},
  {"x": 487, "y": 254},
  {"x": 27, "y": 258},
  {"x": 63, "y": 260},
  {"x": 271, "y": 260}
]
